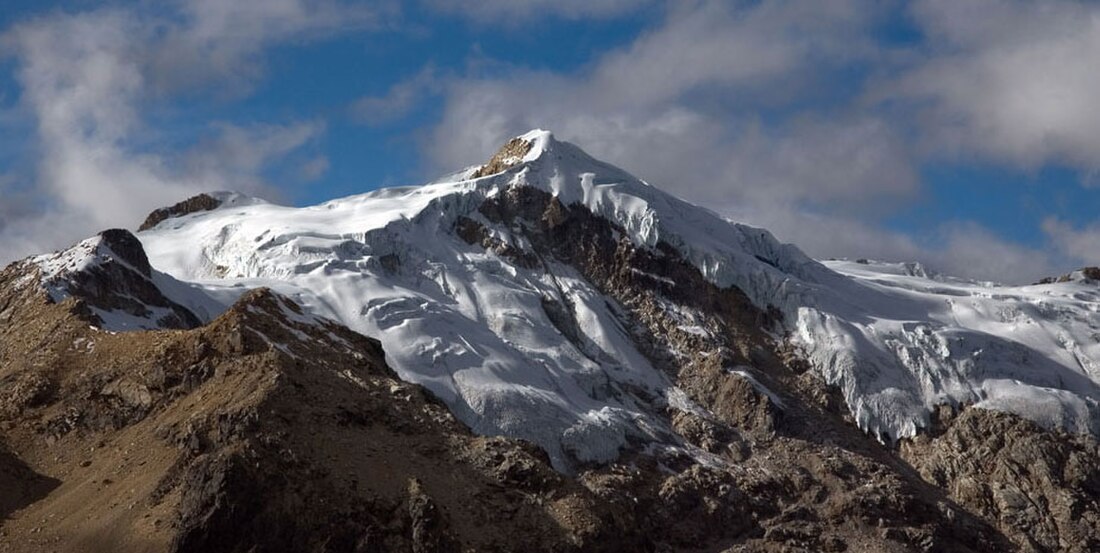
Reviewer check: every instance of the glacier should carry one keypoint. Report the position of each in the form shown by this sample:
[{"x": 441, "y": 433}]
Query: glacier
[{"x": 470, "y": 325}]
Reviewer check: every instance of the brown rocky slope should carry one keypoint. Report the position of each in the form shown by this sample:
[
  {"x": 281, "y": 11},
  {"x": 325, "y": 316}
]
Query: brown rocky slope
[{"x": 264, "y": 430}]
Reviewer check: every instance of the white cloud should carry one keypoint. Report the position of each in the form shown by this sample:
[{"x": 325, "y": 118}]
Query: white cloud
[
  {"x": 974, "y": 251},
  {"x": 962, "y": 249},
  {"x": 82, "y": 85},
  {"x": 678, "y": 108},
  {"x": 1013, "y": 81},
  {"x": 314, "y": 169},
  {"x": 87, "y": 80},
  {"x": 847, "y": 164},
  {"x": 755, "y": 49},
  {"x": 727, "y": 104},
  {"x": 234, "y": 157},
  {"x": 221, "y": 41}
]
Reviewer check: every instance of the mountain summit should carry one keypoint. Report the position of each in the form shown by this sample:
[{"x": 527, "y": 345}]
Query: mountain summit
[
  {"x": 680, "y": 372},
  {"x": 464, "y": 283}
]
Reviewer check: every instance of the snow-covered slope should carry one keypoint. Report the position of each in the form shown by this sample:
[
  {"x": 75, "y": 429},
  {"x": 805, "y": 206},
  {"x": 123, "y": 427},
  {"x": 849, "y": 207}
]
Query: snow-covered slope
[
  {"x": 1029, "y": 350},
  {"x": 472, "y": 325}
]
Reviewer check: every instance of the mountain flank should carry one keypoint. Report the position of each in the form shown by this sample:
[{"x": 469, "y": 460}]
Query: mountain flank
[{"x": 545, "y": 355}]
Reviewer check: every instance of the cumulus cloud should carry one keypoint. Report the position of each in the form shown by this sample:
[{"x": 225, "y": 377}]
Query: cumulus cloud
[
  {"x": 794, "y": 115},
  {"x": 88, "y": 80},
  {"x": 1011, "y": 80},
  {"x": 678, "y": 107},
  {"x": 849, "y": 164}
]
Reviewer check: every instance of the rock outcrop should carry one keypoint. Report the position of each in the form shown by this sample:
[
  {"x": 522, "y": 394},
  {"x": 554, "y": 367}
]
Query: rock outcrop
[
  {"x": 1040, "y": 487},
  {"x": 510, "y": 155},
  {"x": 1085, "y": 273},
  {"x": 194, "y": 204}
]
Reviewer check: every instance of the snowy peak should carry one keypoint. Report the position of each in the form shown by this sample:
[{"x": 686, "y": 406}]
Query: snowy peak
[
  {"x": 521, "y": 149},
  {"x": 552, "y": 297},
  {"x": 110, "y": 275},
  {"x": 730, "y": 254},
  {"x": 464, "y": 283},
  {"x": 114, "y": 246}
]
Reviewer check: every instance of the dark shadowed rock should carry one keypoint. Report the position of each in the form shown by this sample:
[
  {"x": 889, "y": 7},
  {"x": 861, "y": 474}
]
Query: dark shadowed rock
[
  {"x": 114, "y": 275},
  {"x": 201, "y": 202},
  {"x": 128, "y": 249}
]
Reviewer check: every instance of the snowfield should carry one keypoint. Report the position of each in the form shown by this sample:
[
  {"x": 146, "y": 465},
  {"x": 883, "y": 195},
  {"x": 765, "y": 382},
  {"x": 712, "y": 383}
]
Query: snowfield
[
  {"x": 471, "y": 326},
  {"x": 1029, "y": 350}
]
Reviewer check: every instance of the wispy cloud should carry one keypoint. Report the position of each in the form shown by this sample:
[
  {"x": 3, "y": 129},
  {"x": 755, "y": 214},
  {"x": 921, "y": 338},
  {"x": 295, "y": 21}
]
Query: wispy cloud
[
  {"x": 88, "y": 80},
  {"x": 400, "y": 99},
  {"x": 508, "y": 12},
  {"x": 1079, "y": 243}
]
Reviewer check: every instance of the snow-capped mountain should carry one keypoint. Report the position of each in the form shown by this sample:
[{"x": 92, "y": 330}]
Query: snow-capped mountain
[
  {"x": 696, "y": 384},
  {"x": 474, "y": 293}
]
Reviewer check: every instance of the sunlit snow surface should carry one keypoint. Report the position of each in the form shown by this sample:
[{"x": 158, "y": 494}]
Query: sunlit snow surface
[
  {"x": 470, "y": 326},
  {"x": 1030, "y": 350}
]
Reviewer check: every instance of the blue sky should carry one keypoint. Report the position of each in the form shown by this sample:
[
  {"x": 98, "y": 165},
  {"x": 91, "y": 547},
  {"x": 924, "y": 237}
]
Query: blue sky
[{"x": 957, "y": 133}]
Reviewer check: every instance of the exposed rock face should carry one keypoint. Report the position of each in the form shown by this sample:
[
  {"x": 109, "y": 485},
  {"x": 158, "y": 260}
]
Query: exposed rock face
[
  {"x": 787, "y": 471},
  {"x": 201, "y": 202},
  {"x": 510, "y": 155},
  {"x": 1041, "y": 488}
]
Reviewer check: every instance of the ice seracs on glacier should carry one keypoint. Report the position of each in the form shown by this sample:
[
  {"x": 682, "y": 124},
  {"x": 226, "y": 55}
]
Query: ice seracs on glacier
[{"x": 471, "y": 326}]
